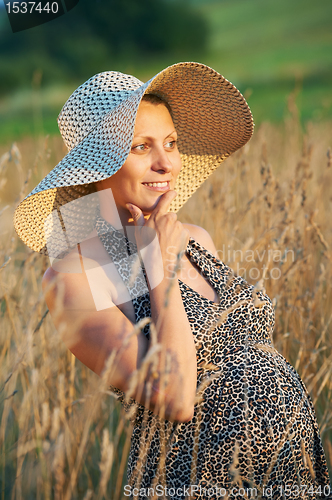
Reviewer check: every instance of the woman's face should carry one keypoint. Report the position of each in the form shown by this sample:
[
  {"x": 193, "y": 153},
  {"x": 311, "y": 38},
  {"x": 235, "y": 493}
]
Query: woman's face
[{"x": 153, "y": 163}]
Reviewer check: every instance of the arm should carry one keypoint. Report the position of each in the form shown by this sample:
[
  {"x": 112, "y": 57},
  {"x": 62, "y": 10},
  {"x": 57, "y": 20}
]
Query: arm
[{"x": 93, "y": 335}]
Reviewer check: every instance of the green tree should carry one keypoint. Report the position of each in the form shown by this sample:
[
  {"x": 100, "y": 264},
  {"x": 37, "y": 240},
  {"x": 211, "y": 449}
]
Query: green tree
[{"x": 97, "y": 33}]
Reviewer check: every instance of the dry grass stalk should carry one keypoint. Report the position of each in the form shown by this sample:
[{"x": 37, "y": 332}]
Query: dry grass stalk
[{"x": 267, "y": 209}]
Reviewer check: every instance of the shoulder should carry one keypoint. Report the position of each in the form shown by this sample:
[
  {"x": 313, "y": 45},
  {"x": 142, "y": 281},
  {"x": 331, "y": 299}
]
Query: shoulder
[
  {"x": 64, "y": 283},
  {"x": 68, "y": 280},
  {"x": 202, "y": 237}
]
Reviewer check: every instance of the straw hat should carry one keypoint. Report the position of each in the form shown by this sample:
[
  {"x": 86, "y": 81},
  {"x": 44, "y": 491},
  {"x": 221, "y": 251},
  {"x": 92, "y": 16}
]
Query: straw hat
[{"x": 97, "y": 123}]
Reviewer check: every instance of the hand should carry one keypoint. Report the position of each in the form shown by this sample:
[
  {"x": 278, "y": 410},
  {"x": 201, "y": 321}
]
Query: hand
[{"x": 172, "y": 236}]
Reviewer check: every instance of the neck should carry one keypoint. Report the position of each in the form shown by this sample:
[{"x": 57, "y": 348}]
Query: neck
[{"x": 115, "y": 215}]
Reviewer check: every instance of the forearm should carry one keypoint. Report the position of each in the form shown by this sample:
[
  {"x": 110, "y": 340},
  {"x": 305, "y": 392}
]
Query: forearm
[
  {"x": 176, "y": 339},
  {"x": 93, "y": 336}
]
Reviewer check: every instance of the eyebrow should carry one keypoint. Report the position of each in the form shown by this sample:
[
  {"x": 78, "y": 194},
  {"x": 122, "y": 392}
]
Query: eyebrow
[{"x": 148, "y": 137}]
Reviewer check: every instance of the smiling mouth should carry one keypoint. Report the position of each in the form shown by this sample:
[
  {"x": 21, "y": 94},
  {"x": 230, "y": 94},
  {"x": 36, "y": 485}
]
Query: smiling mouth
[{"x": 158, "y": 186}]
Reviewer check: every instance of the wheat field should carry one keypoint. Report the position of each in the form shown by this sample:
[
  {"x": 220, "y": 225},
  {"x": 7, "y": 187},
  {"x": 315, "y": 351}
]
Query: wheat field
[{"x": 268, "y": 207}]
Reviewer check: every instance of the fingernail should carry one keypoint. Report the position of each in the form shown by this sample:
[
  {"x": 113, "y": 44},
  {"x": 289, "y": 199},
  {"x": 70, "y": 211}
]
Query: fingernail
[{"x": 130, "y": 207}]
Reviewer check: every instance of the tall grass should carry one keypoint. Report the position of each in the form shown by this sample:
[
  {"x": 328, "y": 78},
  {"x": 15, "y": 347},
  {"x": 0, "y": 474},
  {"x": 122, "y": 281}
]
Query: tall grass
[{"x": 63, "y": 435}]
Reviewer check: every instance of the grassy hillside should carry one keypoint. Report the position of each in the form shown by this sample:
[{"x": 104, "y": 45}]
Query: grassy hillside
[
  {"x": 272, "y": 49},
  {"x": 269, "y": 49}
]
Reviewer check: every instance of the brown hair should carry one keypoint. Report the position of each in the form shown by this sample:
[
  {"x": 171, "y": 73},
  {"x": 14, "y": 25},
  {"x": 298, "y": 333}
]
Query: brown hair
[{"x": 156, "y": 99}]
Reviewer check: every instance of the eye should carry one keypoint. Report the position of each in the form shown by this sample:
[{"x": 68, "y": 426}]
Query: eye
[
  {"x": 139, "y": 147},
  {"x": 171, "y": 144}
]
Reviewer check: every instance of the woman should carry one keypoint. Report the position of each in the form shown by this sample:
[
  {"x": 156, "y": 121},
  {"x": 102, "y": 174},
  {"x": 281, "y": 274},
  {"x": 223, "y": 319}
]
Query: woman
[{"x": 217, "y": 410}]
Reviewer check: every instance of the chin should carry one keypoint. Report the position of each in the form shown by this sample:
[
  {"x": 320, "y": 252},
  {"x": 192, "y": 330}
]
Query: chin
[{"x": 148, "y": 209}]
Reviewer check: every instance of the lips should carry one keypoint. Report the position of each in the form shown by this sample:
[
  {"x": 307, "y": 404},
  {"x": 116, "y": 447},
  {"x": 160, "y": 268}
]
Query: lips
[{"x": 157, "y": 186}]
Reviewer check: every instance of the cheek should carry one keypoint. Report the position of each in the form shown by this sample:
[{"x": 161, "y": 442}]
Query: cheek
[
  {"x": 132, "y": 171},
  {"x": 124, "y": 177}
]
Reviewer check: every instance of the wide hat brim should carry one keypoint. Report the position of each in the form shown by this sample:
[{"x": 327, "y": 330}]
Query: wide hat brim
[{"x": 210, "y": 115}]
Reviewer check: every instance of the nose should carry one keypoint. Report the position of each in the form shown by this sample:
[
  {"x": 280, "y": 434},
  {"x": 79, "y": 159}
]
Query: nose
[{"x": 161, "y": 161}]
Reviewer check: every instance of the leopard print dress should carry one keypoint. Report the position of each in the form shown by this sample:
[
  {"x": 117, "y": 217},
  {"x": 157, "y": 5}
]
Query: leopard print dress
[{"x": 254, "y": 432}]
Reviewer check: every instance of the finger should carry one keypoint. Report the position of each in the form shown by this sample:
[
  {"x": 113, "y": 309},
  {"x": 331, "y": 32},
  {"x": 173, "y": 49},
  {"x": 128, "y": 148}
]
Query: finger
[
  {"x": 165, "y": 202},
  {"x": 136, "y": 214}
]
